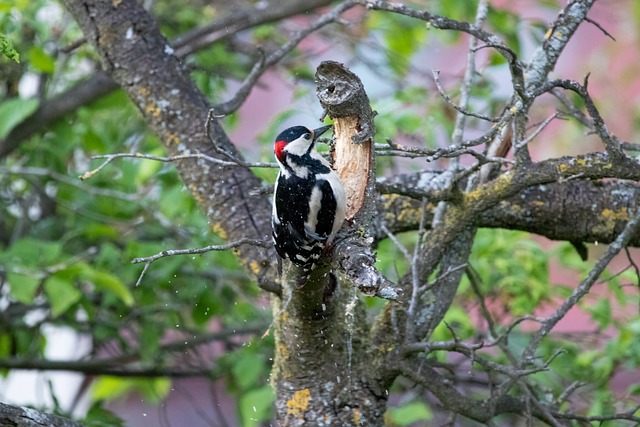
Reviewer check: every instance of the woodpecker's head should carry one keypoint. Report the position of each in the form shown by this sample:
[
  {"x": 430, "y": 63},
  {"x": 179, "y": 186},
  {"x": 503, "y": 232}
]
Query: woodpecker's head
[{"x": 296, "y": 141}]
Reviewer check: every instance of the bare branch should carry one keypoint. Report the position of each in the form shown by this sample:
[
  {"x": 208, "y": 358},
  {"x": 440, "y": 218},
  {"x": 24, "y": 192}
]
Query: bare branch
[
  {"x": 436, "y": 79},
  {"x": 630, "y": 415},
  {"x": 111, "y": 157},
  {"x": 584, "y": 287},
  {"x": 442, "y": 23},
  {"x": 261, "y": 66},
  {"x": 600, "y": 27},
  {"x": 28, "y": 417},
  {"x": 172, "y": 252},
  {"x": 120, "y": 365},
  {"x": 537, "y": 131},
  {"x": 24, "y": 170},
  {"x": 544, "y": 59},
  {"x": 610, "y": 142}
]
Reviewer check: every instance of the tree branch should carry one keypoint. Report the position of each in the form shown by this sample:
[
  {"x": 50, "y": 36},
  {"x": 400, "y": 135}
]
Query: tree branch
[
  {"x": 101, "y": 83},
  {"x": 577, "y": 210},
  {"x": 20, "y": 416},
  {"x": 175, "y": 110},
  {"x": 614, "y": 248}
]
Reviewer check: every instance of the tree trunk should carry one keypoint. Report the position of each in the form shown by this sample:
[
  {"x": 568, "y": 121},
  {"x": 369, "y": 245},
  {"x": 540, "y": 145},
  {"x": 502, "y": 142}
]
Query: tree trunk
[{"x": 323, "y": 373}]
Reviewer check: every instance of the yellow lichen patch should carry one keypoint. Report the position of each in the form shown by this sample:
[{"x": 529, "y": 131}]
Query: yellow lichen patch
[
  {"x": 144, "y": 91},
  {"x": 116, "y": 3},
  {"x": 389, "y": 201},
  {"x": 357, "y": 416},
  {"x": 496, "y": 188},
  {"x": 610, "y": 218},
  {"x": 217, "y": 228},
  {"x": 299, "y": 402},
  {"x": 152, "y": 110},
  {"x": 516, "y": 209},
  {"x": 284, "y": 316},
  {"x": 283, "y": 350},
  {"x": 548, "y": 33},
  {"x": 172, "y": 138},
  {"x": 254, "y": 266},
  {"x": 538, "y": 203},
  {"x": 194, "y": 193},
  {"x": 562, "y": 167}
]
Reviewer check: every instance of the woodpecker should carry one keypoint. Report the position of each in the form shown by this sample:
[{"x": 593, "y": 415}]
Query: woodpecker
[{"x": 309, "y": 201}]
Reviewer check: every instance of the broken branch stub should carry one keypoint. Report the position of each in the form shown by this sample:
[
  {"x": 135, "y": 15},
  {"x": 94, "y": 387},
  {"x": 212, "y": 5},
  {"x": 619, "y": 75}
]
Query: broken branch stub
[{"x": 342, "y": 95}]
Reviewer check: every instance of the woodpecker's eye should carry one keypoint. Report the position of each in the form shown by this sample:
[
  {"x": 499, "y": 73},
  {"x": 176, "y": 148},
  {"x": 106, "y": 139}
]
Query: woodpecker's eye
[{"x": 307, "y": 135}]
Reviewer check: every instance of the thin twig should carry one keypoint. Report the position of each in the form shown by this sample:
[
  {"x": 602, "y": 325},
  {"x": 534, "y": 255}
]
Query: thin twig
[
  {"x": 111, "y": 157},
  {"x": 26, "y": 170},
  {"x": 172, "y": 252},
  {"x": 261, "y": 66},
  {"x": 436, "y": 79},
  {"x": 600, "y": 27},
  {"x": 612, "y": 144},
  {"x": 629, "y": 415},
  {"x": 537, "y": 131},
  {"x": 396, "y": 242},
  {"x": 614, "y": 248},
  {"x": 415, "y": 271}
]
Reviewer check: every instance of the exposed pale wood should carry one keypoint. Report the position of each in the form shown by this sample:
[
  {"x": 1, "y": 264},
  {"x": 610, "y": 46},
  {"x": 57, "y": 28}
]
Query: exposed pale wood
[{"x": 352, "y": 162}]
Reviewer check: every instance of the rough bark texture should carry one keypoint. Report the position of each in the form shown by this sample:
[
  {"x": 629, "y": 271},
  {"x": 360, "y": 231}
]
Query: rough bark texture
[
  {"x": 576, "y": 211},
  {"x": 17, "y": 416},
  {"x": 322, "y": 324},
  {"x": 140, "y": 60},
  {"x": 322, "y": 373}
]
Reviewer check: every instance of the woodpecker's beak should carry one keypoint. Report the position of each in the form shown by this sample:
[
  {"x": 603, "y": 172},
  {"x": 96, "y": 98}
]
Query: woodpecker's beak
[{"x": 320, "y": 131}]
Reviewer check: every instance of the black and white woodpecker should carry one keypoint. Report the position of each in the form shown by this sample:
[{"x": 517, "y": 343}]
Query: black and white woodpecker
[{"x": 309, "y": 201}]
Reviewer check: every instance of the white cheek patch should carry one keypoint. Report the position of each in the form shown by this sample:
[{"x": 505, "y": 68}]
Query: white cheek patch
[{"x": 299, "y": 147}]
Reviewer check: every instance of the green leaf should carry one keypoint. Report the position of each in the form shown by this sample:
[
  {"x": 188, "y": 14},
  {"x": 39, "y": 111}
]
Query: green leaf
[
  {"x": 248, "y": 368},
  {"x": 205, "y": 307},
  {"x": 409, "y": 414},
  {"x": 601, "y": 312},
  {"x": 109, "y": 388},
  {"x": 23, "y": 287},
  {"x": 98, "y": 416},
  {"x": 7, "y": 49},
  {"x": 255, "y": 406},
  {"x": 150, "y": 341},
  {"x": 109, "y": 282},
  {"x": 634, "y": 389},
  {"x": 62, "y": 294},
  {"x": 40, "y": 60},
  {"x": 13, "y": 112}
]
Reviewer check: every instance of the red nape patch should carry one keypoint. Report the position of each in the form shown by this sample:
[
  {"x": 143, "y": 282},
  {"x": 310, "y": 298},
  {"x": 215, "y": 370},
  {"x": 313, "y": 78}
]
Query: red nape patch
[{"x": 278, "y": 149}]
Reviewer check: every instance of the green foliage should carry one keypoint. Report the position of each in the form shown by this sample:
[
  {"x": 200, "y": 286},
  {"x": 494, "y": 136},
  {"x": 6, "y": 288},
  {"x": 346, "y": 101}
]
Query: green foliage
[
  {"x": 408, "y": 414},
  {"x": 506, "y": 23},
  {"x": 98, "y": 416},
  {"x": 402, "y": 37},
  {"x": 40, "y": 60},
  {"x": 13, "y": 111},
  {"x": 256, "y": 406},
  {"x": 7, "y": 49},
  {"x": 109, "y": 388},
  {"x": 513, "y": 268}
]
